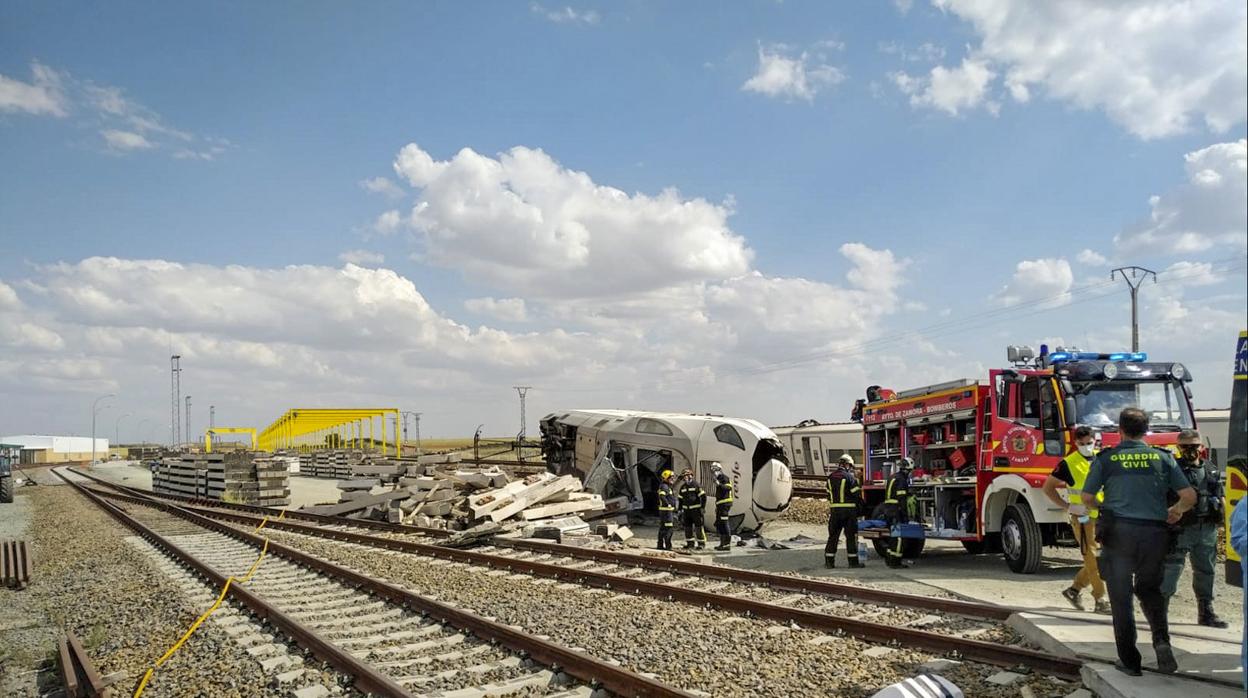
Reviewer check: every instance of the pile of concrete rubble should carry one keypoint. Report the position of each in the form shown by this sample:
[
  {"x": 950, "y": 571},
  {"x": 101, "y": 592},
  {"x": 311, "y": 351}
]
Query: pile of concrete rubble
[{"x": 441, "y": 491}]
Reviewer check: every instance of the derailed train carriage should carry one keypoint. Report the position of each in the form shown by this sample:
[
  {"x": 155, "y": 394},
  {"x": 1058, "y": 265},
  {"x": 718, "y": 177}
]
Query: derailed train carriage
[{"x": 621, "y": 453}]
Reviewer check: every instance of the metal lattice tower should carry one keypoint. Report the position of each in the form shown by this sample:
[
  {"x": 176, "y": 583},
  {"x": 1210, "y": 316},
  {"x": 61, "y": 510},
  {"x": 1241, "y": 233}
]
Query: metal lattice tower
[
  {"x": 212, "y": 421},
  {"x": 175, "y": 414},
  {"x": 188, "y": 418},
  {"x": 1138, "y": 275}
]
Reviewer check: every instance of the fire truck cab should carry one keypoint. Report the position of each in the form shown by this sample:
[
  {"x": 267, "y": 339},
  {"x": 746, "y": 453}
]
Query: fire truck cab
[{"x": 982, "y": 449}]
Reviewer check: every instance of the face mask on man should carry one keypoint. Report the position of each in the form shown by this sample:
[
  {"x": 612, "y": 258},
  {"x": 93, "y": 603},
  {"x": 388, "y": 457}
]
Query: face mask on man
[
  {"x": 1189, "y": 454},
  {"x": 1085, "y": 450}
]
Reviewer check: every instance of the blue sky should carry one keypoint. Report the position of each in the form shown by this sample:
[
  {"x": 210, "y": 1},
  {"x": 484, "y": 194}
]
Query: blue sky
[{"x": 936, "y": 135}]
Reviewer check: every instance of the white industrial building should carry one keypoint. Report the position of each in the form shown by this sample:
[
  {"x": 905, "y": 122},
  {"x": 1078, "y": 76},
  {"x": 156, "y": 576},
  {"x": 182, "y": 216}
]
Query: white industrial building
[{"x": 37, "y": 448}]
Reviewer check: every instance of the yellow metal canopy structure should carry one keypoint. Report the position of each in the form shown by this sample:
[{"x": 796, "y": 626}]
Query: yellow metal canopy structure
[
  {"x": 309, "y": 429},
  {"x": 228, "y": 430}
]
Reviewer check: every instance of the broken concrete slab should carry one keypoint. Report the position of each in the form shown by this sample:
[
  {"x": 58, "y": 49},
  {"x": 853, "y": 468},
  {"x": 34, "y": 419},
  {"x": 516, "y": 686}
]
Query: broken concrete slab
[
  {"x": 355, "y": 505},
  {"x": 593, "y": 503},
  {"x": 534, "y": 494}
]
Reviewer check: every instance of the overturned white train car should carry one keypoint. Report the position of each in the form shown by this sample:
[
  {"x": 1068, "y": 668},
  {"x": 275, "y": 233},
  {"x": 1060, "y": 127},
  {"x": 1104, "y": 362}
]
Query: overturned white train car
[{"x": 621, "y": 452}]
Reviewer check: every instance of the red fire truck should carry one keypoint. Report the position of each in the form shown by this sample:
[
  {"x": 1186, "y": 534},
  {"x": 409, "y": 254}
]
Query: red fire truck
[{"x": 982, "y": 449}]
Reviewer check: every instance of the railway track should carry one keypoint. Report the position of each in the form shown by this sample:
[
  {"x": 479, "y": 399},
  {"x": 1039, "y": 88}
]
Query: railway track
[
  {"x": 946, "y": 626},
  {"x": 388, "y": 640}
]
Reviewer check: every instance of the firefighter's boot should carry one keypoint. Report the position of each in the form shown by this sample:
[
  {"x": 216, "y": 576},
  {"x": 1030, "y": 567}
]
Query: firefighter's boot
[{"x": 1206, "y": 617}]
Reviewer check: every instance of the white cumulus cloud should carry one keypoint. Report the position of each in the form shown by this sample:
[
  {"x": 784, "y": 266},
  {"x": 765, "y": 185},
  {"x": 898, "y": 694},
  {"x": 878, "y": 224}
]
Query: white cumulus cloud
[
  {"x": 951, "y": 90},
  {"x": 523, "y": 222},
  {"x": 799, "y": 76},
  {"x": 509, "y": 309},
  {"x": 1046, "y": 280},
  {"x": 1091, "y": 258},
  {"x": 44, "y": 94},
  {"x": 1154, "y": 66},
  {"x": 125, "y": 140},
  {"x": 1208, "y": 210},
  {"x": 384, "y": 186}
]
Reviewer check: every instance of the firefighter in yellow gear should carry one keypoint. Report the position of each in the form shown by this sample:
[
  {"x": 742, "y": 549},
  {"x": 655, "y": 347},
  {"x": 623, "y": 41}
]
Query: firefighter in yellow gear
[
  {"x": 844, "y": 499},
  {"x": 667, "y": 510},
  {"x": 723, "y": 504},
  {"x": 692, "y": 502},
  {"x": 897, "y": 505}
]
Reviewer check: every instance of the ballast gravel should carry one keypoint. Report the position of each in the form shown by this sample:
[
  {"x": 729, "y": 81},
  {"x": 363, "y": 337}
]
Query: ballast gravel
[
  {"x": 694, "y": 648},
  {"x": 89, "y": 580}
]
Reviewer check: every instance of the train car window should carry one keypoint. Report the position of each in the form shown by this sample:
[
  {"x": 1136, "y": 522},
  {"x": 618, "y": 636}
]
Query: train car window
[
  {"x": 1029, "y": 408},
  {"x": 726, "y": 434},
  {"x": 602, "y": 421},
  {"x": 653, "y": 426},
  {"x": 1003, "y": 398}
]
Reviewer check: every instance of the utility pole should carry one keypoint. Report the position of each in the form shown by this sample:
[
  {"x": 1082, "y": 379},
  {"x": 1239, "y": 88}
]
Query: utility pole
[
  {"x": 188, "y": 420},
  {"x": 117, "y": 428},
  {"x": 523, "y": 390},
  {"x": 175, "y": 413},
  {"x": 1137, "y": 277},
  {"x": 417, "y": 416},
  {"x": 95, "y": 409},
  {"x": 212, "y": 423}
]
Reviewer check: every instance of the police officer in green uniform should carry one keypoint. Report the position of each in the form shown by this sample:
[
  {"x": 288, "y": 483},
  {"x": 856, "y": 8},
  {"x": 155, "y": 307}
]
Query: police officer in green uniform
[
  {"x": 1136, "y": 479},
  {"x": 1198, "y": 531}
]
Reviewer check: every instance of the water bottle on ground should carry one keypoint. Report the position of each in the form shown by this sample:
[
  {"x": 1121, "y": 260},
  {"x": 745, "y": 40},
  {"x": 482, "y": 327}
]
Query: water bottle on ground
[{"x": 863, "y": 551}]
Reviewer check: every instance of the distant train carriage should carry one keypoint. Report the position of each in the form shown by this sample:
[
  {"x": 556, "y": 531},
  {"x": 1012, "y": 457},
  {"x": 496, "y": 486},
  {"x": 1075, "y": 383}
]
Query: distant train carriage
[
  {"x": 814, "y": 447},
  {"x": 621, "y": 452}
]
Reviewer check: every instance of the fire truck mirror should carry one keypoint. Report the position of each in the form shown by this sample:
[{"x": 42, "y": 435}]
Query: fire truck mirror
[
  {"x": 1071, "y": 409},
  {"x": 1053, "y": 447}
]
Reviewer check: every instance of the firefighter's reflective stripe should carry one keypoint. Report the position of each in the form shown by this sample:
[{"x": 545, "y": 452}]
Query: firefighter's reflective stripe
[
  {"x": 837, "y": 496},
  {"x": 665, "y": 498},
  {"x": 691, "y": 497},
  {"x": 891, "y": 493}
]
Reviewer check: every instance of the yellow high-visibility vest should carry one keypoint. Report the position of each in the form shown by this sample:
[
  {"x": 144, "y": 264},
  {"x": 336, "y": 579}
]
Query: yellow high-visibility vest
[{"x": 1079, "y": 467}]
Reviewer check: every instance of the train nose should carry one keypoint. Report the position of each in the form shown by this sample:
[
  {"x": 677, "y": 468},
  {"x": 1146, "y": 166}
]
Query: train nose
[{"x": 773, "y": 487}]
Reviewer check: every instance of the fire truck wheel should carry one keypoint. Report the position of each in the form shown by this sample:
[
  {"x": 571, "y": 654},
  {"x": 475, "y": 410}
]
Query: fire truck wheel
[
  {"x": 6, "y": 489},
  {"x": 1020, "y": 539}
]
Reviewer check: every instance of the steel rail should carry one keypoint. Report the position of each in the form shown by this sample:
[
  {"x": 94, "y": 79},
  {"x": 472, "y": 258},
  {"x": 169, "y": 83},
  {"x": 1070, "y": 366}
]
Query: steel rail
[
  {"x": 732, "y": 574},
  {"x": 15, "y": 564},
  {"x": 366, "y": 677},
  {"x": 578, "y": 664},
  {"x": 322, "y": 519},
  {"x": 78, "y": 673},
  {"x": 987, "y": 652},
  {"x": 775, "y": 581}
]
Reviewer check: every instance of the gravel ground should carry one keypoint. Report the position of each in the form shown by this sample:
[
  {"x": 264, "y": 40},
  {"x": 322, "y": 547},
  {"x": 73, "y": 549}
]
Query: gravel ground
[
  {"x": 694, "y": 648},
  {"x": 807, "y": 511},
  {"x": 89, "y": 580}
]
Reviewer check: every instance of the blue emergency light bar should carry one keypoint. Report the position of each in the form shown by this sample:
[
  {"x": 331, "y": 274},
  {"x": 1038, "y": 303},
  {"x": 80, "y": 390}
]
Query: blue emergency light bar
[{"x": 1058, "y": 357}]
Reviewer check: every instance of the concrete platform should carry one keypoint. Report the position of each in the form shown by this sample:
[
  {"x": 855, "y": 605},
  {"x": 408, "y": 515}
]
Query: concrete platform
[
  {"x": 1107, "y": 682},
  {"x": 1208, "y": 661}
]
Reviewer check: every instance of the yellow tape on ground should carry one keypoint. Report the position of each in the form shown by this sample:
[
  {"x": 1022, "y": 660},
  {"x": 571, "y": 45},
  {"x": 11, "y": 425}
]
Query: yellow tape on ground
[{"x": 147, "y": 676}]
